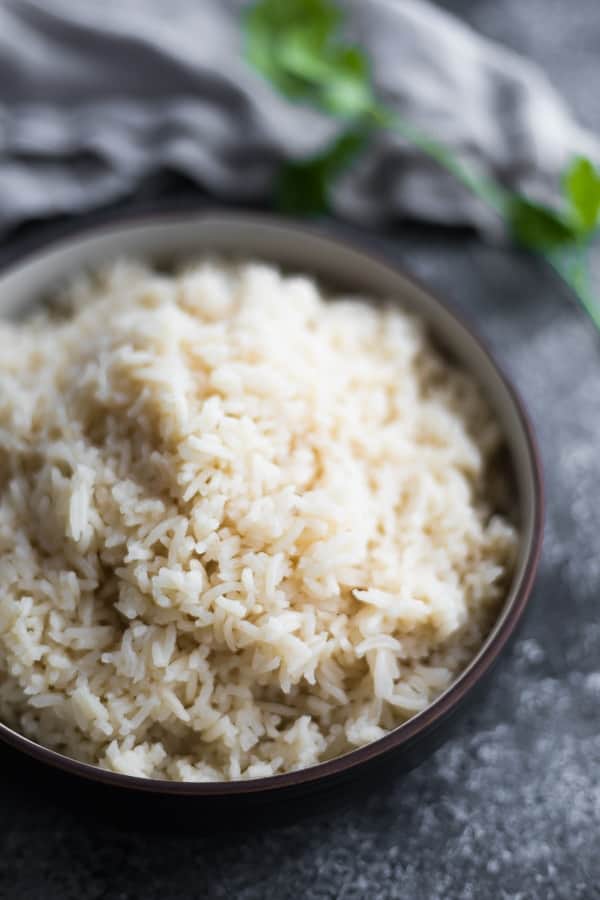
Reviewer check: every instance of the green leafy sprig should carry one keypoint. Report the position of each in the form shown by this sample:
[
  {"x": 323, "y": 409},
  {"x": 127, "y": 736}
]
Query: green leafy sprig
[{"x": 300, "y": 47}]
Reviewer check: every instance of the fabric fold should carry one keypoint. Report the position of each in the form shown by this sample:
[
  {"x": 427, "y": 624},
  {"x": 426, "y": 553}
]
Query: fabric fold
[{"x": 95, "y": 97}]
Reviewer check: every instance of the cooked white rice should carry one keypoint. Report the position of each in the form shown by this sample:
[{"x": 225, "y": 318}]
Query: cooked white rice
[{"x": 242, "y": 529}]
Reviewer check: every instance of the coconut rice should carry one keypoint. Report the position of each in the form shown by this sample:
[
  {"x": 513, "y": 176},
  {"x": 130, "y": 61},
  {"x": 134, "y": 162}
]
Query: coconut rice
[{"x": 243, "y": 528}]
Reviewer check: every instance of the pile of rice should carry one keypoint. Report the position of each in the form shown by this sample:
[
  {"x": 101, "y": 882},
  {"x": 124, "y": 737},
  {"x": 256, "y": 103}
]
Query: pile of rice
[{"x": 243, "y": 529}]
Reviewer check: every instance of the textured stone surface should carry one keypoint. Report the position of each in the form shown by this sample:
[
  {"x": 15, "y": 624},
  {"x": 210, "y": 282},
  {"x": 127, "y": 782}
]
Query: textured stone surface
[{"x": 510, "y": 807}]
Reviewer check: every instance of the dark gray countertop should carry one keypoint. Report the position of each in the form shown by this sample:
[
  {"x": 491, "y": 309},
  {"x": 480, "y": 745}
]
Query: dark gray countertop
[{"x": 510, "y": 807}]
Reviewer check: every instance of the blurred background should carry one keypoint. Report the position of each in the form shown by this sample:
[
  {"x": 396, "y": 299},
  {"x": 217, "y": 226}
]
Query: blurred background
[{"x": 136, "y": 106}]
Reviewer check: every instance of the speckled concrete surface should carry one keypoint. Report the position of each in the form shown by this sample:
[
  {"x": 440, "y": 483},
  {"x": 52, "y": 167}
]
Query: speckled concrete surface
[{"x": 510, "y": 807}]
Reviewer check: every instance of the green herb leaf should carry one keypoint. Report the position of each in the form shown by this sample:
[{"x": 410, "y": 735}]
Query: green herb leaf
[
  {"x": 538, "y": 227},
  {"x": 303, "y": 188},
  {"x": 582, "y": 188},
  {"x": 296, "y": 45},
  {"x": 281, "y": 36}
]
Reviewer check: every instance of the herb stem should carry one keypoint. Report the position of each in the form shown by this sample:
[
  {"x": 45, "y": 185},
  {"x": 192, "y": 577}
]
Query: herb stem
[
  {"x": 492, "y": 194},
  {"x": 574, "y": 270},
  {"x": 299, "y": 46}
]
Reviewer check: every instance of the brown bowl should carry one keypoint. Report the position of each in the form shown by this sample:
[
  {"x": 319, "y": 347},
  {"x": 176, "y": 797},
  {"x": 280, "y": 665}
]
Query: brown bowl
[{"x": 164, "y": 237}]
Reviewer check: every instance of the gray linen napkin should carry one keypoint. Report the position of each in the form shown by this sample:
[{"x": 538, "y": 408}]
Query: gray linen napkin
[{"x": 96, "y": 95}]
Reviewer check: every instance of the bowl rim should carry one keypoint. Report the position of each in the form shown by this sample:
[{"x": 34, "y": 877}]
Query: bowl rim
[{"x": 428, "y": 719}]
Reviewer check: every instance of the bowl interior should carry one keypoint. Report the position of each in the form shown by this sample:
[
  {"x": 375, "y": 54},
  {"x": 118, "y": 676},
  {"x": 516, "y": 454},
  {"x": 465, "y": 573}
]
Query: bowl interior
[{"x": 339, "y": 265}]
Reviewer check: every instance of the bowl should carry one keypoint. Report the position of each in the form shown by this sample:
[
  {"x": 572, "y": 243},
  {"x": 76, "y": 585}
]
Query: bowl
[{"x": 164, "y": 237}]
